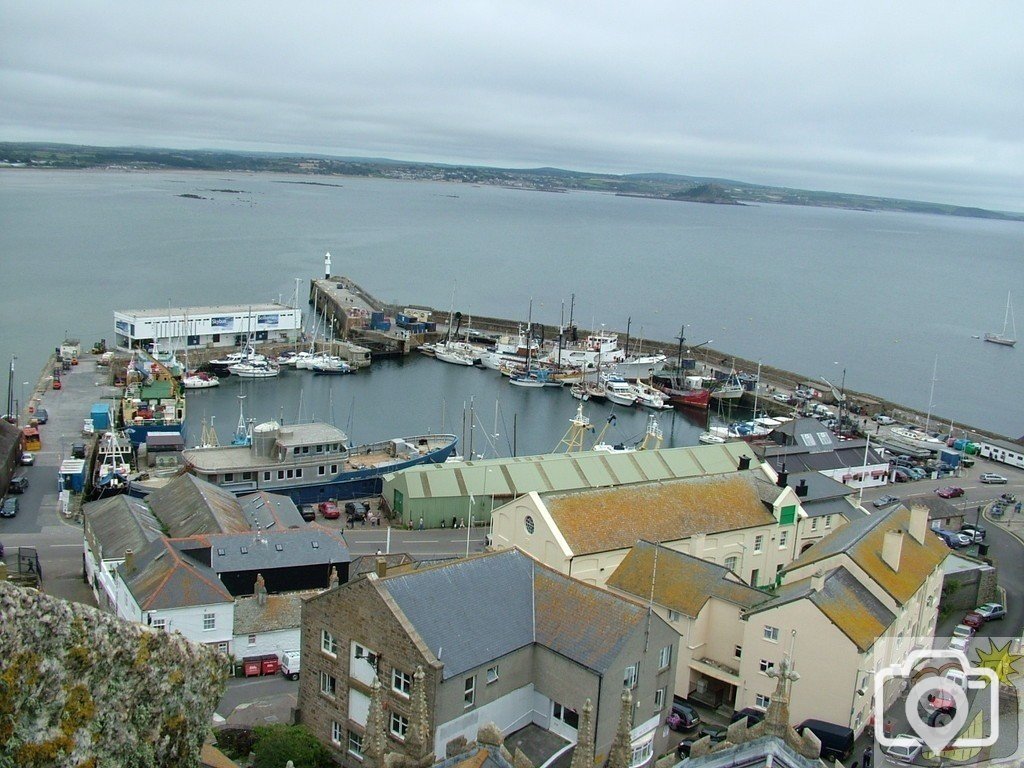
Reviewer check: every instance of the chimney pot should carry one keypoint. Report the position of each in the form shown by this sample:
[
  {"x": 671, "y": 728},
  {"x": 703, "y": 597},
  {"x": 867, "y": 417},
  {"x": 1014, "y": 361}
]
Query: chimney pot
[
  {"x": 919, "y": 522},
  {"x": 744, "y": 462},
  {"x": 783, "y": 480},
  {"x": 129, "y": 561},
  {"x": 801, "y": 488},
  {"x": 382, "y": 567}
]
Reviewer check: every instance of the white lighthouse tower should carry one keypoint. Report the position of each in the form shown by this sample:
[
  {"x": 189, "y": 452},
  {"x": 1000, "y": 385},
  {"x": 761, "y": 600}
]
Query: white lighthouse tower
[{"x": 327, "y": 266}]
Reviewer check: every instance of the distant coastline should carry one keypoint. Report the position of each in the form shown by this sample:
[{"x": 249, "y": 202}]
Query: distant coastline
[{"x": 656, "y": 186}]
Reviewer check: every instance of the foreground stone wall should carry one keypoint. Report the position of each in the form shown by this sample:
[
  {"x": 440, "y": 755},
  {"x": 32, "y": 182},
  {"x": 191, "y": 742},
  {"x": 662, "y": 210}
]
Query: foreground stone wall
[{"x": 79, "y": 687}]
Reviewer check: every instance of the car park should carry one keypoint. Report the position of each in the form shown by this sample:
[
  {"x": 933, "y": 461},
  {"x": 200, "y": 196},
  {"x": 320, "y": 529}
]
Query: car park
[
  {"x": 9, "y": 508},
  {"x": 953, "y": 539},
  {"x": 950, "y": 492},
  {"x": 904, "y": 748},
  {"x": 885, "y": 501},
  {"x": 329, "y": 510},
  {"x": 991, "y": 478},
  {"x": 991, "y": 611}
]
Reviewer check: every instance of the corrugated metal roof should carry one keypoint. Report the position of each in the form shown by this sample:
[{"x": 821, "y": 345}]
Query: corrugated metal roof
[
  {"x": 617, "y": 518},
  {"x": 117, "y": 524},
  {"x": 470, "y": 612},
  {"x": 190, "y": 506},
  {"x": 683, "y": 583},
  {"x": 162, "y": 577},
  {"x": 562, "y": 472}
]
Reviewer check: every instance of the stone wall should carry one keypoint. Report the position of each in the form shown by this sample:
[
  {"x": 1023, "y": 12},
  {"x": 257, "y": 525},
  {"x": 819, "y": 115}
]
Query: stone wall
[
  {"x": 966, "y": 590},
  {"x": 79, "y": 687}
]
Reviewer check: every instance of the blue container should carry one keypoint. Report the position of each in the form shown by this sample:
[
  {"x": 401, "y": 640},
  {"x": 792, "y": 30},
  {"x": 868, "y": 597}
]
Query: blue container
[
  {"x": 100, "y": 414},
  {"x": 430, "y": 327},
  {"x": 960, "y": 444},
  {"x": 376, "y": 317},
  {"x": 72, "y": 475},
  {"x": 950, "y": 457}
]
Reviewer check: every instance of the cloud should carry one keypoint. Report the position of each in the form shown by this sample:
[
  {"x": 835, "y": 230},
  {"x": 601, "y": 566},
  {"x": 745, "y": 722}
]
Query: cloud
[{"x": 905, "y": 100}]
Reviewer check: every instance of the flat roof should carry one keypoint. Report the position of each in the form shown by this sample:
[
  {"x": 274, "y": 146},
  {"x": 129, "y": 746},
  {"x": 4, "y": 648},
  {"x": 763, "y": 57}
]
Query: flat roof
[{"x": 216, "y": 310}]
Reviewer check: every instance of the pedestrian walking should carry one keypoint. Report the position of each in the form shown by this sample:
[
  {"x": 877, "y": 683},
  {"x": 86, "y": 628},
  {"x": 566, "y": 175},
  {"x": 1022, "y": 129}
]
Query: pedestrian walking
[
  {"x": 421, "y": 523},
  {"x": 454, "y": 522},
  {"x": 867, "y": 757},
  {"x": 379, "y": 552},
  {"x": 887, "y": 728}
]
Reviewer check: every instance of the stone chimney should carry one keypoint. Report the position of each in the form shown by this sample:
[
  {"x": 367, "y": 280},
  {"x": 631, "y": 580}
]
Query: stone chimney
[
  {"x": 129, "y": 561},
  {"x": 892, "y": 547},
  {"x": 260, "y": 590},
  {"x": 919, "y": 522},
  {"x": 382, "y": 567},
  {"x": 818, "y": 581},
  {"x": 333, "y": 580}
]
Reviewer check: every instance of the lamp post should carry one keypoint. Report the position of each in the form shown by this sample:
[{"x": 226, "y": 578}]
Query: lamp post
[{"x": 23, "y": 385}]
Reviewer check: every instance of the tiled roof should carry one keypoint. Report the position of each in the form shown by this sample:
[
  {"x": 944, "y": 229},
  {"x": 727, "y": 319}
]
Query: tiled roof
[
  {"x": 861, "y": 540},
  {"x": 683, "y": 583},
  {"x": 280, "y": 611},
  {"x": 117, "y": 524},
  {"x": 162, "y": 577},
  {"x": 364, "y": 564},
  {"x": 845, "y": 602},
  {"x": 189, "y": 506},
  {"x": 938, "y": 508},
  {"x": 617, "y": 518},
  {"x": 286, "y": 548},
  {"x": 474, "y": 610}
]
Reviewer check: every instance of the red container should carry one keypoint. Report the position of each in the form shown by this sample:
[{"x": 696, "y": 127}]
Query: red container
[
  {"x": 270, "y": 665},
  {"x": 251, "y": 666}
]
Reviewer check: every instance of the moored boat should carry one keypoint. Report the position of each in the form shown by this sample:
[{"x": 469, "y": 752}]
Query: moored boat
[
  {"x": 199, "y": 380},
  {"x": 254, "y": 369},
  {"x": 618, "y": 391},
  {"x": 1008, "y": 337},
  {"x": 331, "y": 365}
]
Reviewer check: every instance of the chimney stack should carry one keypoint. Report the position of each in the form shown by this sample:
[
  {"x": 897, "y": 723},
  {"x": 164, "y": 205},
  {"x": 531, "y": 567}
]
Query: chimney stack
[
  {"x": 744, "y": 462},
  {"x": 892, "y": 547},
  {"x": 919, "y": 522},
  {"x": 783, "y": 480},
  {"x": 382, "y": 567},
  {"x": 129, "y": 561},
  {"x": 260, "y": 590},
  {"x": 818, "y": 581},
  {"x": 801, "y": 488}
]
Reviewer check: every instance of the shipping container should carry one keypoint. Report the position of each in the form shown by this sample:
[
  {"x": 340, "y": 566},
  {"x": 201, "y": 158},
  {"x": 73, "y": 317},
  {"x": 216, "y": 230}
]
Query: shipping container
[
  {"x": 949, "y": 457},
  {"x": 72, "y": 475},
  {"x": 100, "y": 413}
]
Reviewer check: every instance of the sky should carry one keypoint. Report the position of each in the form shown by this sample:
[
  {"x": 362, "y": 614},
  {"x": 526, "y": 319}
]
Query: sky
[{"x": 920, "y": 100}]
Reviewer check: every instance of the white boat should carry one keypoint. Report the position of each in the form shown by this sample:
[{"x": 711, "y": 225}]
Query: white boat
[
  {"x": 588, "y": 353},
  {"x": 509, "y": 349},
  {"x": 730, "y": 389},
  {"x": 303, "y": 360},
  {"x": 247, "y": 355},
  {"x": 1004, "y": 338},
  {"x": 709, "y": 439},
  {"x": 199, "y": 380},
  {"x": 618, "y": 391},
  {"x": 917, "y": 438},
  {"x": 640, "y": 367},
  {"x": 254, "y": 369},
  {"x": 330, "y": 364},
  {"x": 649, "y": 397},
  {"x": 456, "y": 353}
]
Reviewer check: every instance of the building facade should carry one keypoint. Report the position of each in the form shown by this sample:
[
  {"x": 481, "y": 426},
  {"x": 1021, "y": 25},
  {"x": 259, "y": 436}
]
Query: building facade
[{"x": 206, "y": 327}]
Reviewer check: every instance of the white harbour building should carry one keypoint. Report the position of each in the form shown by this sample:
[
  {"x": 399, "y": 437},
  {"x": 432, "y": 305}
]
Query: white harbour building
[{"x": 204, "y": 327}]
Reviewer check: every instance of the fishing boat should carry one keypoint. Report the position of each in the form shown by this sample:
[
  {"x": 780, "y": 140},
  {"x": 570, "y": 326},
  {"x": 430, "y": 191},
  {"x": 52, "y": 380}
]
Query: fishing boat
[
  {"x": 1006, "y": 339},
  {"x": 730, "y": 388},
  {"x": 312, "y": 462},
  {"x": 587, "y": 353},
  {"x": 113, "y": 465},
  {"x": 510, "y": 349},
  {"x": 684, "y": 392},
  {"x": 648, "y": 396},
  {"x": 199, "y": 380},
  {"x": 153, "y": 400}
]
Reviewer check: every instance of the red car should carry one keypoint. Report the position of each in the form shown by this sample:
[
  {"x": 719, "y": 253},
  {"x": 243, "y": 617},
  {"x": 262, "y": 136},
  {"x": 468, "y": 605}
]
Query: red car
[
  {"x": 950, "y": 492},
  {"x": 974, "y": 620},
  {"x": 329, "y": 509}
]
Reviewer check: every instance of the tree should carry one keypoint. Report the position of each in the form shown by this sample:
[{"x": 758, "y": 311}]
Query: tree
[{"x": 279, "y": 743}]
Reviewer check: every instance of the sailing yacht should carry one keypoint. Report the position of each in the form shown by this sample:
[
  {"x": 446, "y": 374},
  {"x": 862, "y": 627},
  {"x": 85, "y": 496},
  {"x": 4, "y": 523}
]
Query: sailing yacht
[{"x": 1006, "y": 340}]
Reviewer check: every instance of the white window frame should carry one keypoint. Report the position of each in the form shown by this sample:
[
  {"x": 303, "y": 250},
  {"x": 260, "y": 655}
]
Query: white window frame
[
  {"x": 398, "y": 725},
  {"x": 469, "y": 692},
  {"x": 814, "y": 523},
  {"x": 783, "y": 538},
  {"x": 674, "y": 615},
  {"x": 641, "y": 753},
  {"x": 771, "y": 634},
  {"x": 659, "y": 699},
  {"x": 665, "y": 658},
  {"x": 336, "y": 733},
  {"x": 732, "y": 562},
  {"x": 766, "y": 666},
  {"x": 492, "y": 674},
  {"x": 159, "y": 624},
  {"x": 328, "y": 644},
  {"x": 759, "y": 543},
  {"x": 355, "y": 749},
  {"x": 401, "y": 682},
  {"x": 328, "y": 685},
  {"x": 209, "y": 621},
  {"x": 737, "y": 651},
  {"x": 761, "y": 701},
  {"x": 631, "y": 676},
  {"x": 828, "y": 521},
  {"x": 251, "y": 640}
]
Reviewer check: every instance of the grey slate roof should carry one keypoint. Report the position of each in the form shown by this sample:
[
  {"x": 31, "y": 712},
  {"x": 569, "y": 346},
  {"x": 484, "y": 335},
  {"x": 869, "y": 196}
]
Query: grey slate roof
[
  {"x": 938, "y": 508},
  {"x": 163, "y": 577},
  {"x": 119, "y": 523},
  {"x": 270, "y": 510},
  {"x": 188, "y": 506},
  {"x": 285, "y": 548},
  {"x": 833, "y": 507},
  {"x": 819, "y": 486},
  {"x": 473, "y": 611},
  {"x": 848, "y": 454},
  {"x": 807, "y": 433}
]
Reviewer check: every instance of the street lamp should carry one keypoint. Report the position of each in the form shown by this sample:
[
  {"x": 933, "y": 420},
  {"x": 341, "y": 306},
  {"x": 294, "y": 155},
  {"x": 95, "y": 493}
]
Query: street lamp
[{"x": 23, "y": 385}]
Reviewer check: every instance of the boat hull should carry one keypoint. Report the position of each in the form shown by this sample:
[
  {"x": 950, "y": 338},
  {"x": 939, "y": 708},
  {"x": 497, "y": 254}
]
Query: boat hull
[{"x": 994, "y": 338}]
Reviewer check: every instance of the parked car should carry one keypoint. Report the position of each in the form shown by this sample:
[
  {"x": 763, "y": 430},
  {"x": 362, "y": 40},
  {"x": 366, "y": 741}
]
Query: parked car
[
  {"x": 27, "y": 459},
  {"x": 716, "y": 732},
  {"x": 1009, "y": 498},
  {"x": 962, "y": 630},
  {"x": 41, "y": 416},
  {"x": 974, "y": 535},
  {"x": 990, "y": 611},
  {"x": 953, "y": 539},
  {"x": 329, "y": 509},
  {"x": 78, "y": 450},
  {"x": 356, "y": 510},
  {"x": 836, "y": 740},
  {"x": 916, "y": 473},
  {"x": 886, "y": 501},
  {"x": 973, "y": 620},
  {"x": 683, "y": 716},
  {"x": 959, "y": 644},
  {"x": 753, "y": 716},
  {"x": 308, "y": 512},
  {"x": 957, "y": 677},
  {"x": 900, "y": 475},
  {"x": 884, "y": 420},
  {"x": 904, "y": 748},
  {"x": 9, "y": 508},
  {"x": 950, "y": 492},
  {"x": 991, "y": 478},
  {"x": 18, "y": 484}
]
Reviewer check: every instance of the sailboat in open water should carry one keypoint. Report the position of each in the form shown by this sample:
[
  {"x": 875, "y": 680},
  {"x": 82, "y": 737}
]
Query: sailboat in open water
[{"x": 1004, "y": 338}]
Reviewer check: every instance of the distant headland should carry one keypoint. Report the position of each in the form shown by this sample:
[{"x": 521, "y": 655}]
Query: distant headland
[{"x": 659, "y": 186}]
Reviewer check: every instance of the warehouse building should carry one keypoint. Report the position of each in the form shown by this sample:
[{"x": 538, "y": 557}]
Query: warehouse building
[{"x": 204, "y": 327}]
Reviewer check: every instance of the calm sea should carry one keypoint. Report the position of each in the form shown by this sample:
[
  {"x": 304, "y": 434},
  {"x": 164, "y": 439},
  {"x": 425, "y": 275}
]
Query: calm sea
[{"x": 883, "y": 297}]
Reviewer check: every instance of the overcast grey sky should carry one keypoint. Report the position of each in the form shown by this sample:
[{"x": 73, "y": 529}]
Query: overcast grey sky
[{"x": 922, "y": 100}]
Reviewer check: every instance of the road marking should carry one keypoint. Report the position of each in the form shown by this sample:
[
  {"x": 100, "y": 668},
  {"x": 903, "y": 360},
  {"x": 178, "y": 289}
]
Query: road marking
[{"x": 76, "y": 546}]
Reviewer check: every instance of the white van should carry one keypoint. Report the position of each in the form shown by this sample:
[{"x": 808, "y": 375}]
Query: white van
[{"x": 290, "y": 662}]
